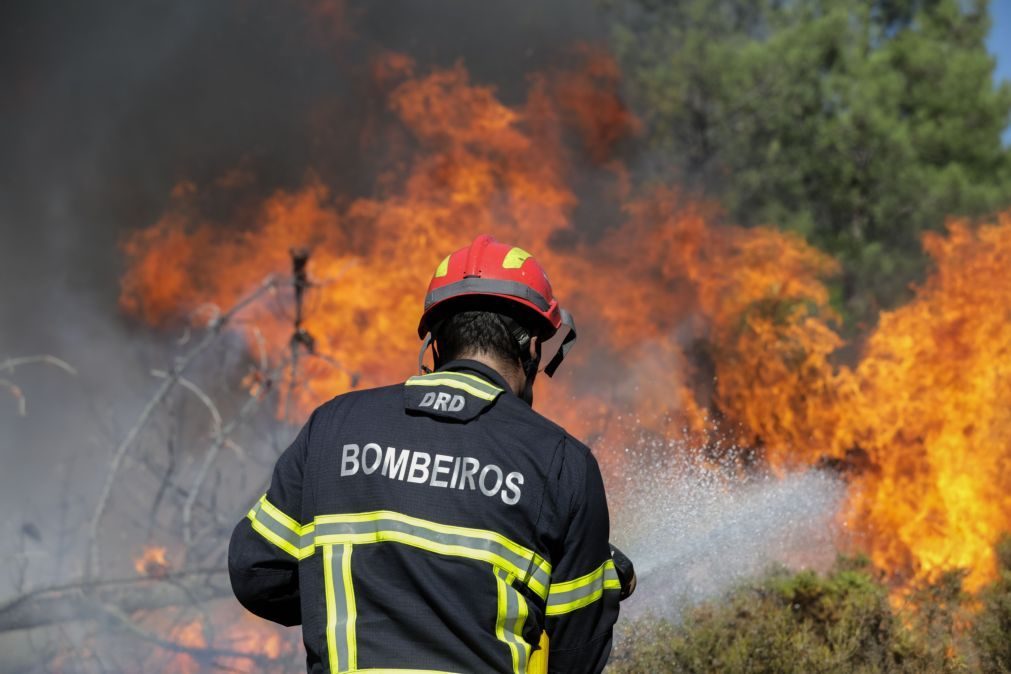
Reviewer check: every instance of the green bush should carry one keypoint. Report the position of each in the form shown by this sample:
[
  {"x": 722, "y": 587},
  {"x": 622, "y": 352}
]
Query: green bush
[
  {"x": 841, "y": 622},
  {"x": 991, "y": 633}
]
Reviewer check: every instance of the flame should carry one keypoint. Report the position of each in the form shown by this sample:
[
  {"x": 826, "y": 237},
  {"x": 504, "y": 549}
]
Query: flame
[
  {"x": 934, "y": 387},
  {"x": 152, "y": 562},
  {"x": 221, "y": 636},
  {"x": 189, "y": 635},
  {"x": 692, "y": 328}
]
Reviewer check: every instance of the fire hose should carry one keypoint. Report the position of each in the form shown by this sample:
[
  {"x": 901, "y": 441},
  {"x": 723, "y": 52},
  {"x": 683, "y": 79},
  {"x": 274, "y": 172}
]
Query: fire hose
[{"x": 626, "y": 578}]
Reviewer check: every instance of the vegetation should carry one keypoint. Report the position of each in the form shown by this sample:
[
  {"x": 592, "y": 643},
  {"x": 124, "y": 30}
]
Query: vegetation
[
  {"x": 858, "y": 124},
  {"x": 842, "y": 621},
  {"x": 992, "y": 629}
]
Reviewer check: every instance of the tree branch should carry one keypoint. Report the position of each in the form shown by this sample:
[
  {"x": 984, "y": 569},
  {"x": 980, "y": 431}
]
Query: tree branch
[
  {"x": 83, "y": 600},
  {"x": 215, "y": 327}
]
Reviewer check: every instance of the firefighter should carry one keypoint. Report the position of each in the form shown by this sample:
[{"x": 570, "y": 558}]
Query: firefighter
[{"x": 441, "y": 525}]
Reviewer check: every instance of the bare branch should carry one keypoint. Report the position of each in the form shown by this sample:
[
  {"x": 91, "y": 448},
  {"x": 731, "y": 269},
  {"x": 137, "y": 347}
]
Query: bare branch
[
  {"x": 247, "y": 408},
  {"x": 12, "y": 363},
  {"x": 77, "y": 601},
  {"x": 201, "y": 396},
  {"x": 131, "y": 626},
  {"x": 215, "y": 328},
  {"x": 18, "y": 395}
]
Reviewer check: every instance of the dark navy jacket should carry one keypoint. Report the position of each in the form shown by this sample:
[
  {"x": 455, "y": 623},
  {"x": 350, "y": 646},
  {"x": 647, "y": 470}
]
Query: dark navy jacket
[{"x": 439, "y": 525}]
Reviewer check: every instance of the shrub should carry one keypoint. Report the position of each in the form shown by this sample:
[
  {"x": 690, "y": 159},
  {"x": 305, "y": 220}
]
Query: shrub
[{"x": 785, "y": 622}]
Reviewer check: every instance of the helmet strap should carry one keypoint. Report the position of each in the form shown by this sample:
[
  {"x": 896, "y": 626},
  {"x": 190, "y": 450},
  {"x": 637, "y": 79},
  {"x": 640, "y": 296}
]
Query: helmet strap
[
  {"x": 422, "y": 368},
  {"x": 530, "y": 367},
  {"x": 531, "y": 364}
]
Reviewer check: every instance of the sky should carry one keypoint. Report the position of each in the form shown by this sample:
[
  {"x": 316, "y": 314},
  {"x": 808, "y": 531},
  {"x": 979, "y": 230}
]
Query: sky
[{"x": 999, "y": 43}]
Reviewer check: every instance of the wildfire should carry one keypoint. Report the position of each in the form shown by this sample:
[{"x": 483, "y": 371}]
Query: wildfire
[
  {"x": 691, "y": 327},
  {"x": 932, "y": 412},
  {"x": 152, "y": 562}
]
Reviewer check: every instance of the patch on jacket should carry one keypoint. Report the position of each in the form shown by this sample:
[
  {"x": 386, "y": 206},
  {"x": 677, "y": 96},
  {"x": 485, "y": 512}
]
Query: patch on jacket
[{"x": 452, "y": 395}]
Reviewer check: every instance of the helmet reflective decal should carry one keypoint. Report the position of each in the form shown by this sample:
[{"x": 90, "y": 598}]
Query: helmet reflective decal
[{"x": 515, "y": 258}]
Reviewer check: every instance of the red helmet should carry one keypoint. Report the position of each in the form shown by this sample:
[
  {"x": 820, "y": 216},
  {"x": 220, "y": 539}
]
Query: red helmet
[{"x": 492, "y": 269}]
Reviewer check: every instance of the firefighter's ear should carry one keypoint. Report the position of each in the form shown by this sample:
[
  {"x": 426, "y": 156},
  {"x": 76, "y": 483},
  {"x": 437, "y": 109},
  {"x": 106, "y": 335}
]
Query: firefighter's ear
[{"x": 535, "y": 347}]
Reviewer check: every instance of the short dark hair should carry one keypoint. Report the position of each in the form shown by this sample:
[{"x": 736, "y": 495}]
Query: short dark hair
[{"x": 468, "y": 332}]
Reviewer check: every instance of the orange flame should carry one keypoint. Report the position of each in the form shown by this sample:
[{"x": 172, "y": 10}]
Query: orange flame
[
  {"x": 691, "y": 327},
  {"x": 152, "y": 562},
  {"x": 934, "y": 388},
  {"x": 188, "y": 635}
]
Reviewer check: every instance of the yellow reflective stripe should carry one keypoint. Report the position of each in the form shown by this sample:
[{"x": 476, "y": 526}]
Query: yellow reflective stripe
[
  {"x": 280, "y": 529},
  {"x": 438, "y": 548},
  {"x": 341, "y": 610},
  {"x": 280, "y": 516},
  {"x": 583, "y": 591},
  {"x": 582, "y": 581},
  {"x": 443, "y": 268},
  {"x": 377, "y": 515},
  {"x": 297, "y": 553},
  {"x": 331, "y": 608},
  {"x": 515, "y": 258},
  {"x": 559, "y": 609},
  {"x": 352, "y": 609},
  {"x": 500, "y": 614},
  {"x": 477, "y": 379},
  {"x": 419, "y": 381},
  {"x": 384, "y": 525},
  {"x": 512, "y": 614}
]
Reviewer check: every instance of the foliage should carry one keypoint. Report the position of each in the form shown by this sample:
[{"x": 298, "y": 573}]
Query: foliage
[
  {"x": 842, "y": 621},
  {"x": 992, "y": 628},
  {"x": 857, "y": 124}
]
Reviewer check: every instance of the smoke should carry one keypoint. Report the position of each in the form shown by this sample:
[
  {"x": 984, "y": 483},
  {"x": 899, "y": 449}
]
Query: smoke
[{"x": 108, "y": 105}]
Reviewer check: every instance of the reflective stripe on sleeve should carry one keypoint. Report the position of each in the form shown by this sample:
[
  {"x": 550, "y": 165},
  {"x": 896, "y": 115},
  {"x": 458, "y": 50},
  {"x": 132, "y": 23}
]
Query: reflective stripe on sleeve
[
  {"x": 280, "y": 529},
  {"x": 583, "y": 591}
]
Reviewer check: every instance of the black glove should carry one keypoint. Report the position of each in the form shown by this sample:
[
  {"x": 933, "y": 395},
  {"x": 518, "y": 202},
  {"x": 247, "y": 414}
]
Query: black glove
[{"x": 626, "y": 572}]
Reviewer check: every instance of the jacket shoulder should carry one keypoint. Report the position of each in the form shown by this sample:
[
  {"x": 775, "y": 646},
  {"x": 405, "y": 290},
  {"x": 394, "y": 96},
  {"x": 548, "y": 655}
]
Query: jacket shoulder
[
  {"x": 367, "y": 396},
  {"x": 545, "y": 426}
]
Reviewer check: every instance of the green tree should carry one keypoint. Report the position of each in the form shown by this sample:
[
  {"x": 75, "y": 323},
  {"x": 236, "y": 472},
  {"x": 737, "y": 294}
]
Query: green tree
[{"x": 858, "y": 124}]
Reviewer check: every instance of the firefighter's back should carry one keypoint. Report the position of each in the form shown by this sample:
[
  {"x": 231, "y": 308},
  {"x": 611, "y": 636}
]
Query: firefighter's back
[{"x": 434, "y": 523}]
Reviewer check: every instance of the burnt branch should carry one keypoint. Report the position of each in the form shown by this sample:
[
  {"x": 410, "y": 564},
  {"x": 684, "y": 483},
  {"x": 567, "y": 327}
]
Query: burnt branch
[
  {"x": 11, "y": 364},
  {"x": 83, "y": 600},
  {"x": 214, "y": 330},
  {"x": 220, "y": 441}
]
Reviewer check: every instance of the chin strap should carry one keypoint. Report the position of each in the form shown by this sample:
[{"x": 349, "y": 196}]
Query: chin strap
[
  {"x": 422, "y": 368},
  {"x": 530, "y": 367}
]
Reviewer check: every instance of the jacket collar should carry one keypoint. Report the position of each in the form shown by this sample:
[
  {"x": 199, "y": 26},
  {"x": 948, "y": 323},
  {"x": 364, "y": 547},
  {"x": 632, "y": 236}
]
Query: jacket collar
[{"x": 479, "y": 369}]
